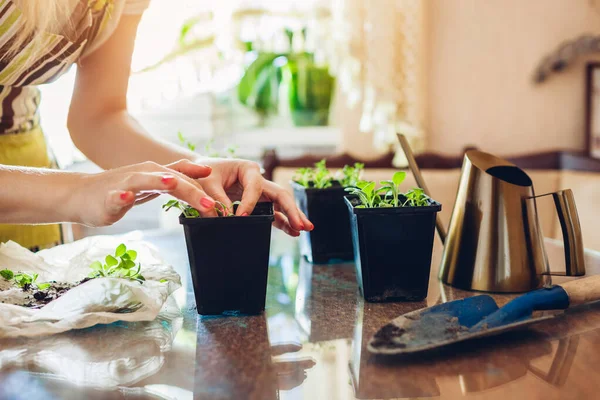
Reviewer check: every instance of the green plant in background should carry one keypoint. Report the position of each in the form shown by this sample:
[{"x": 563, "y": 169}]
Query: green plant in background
[
  {"x": 209, "y": 150},
  {"x": 120, "y": 265},
  {"x": 388, "y": 195},
  {"x": 23, "y": 279},
  {"x": 185, "y": 142},
  {"x": 309, "y": 90},
  {"x": 259, "y": 86},
  {"x": 351, "y": 174}
]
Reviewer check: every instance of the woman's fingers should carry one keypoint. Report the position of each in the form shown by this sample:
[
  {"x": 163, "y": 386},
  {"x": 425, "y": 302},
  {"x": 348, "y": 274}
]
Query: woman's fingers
[
  {"x": 145, "y": 182},
  {"x": 217, "y": 192},
  {"x": 285, "y": 202},
  {"x": 117, "y": 203},
  {"x": 281, "y": 222},
  {"x": 145, "y": 198},
  {"x": 252, "y": 182},
  {"x": 191, "y": 169}
]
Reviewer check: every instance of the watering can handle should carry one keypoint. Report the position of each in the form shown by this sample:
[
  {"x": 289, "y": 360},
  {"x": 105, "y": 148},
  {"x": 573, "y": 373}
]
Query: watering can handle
[
  {"x": 414, "y": 168},
  {"x": 571, "y": 231}
]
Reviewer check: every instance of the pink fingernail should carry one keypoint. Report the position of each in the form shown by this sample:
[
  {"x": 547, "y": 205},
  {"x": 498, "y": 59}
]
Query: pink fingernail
[
  {"x": 207, "y": 202},
  {"x": 124, "y": 196},
  {"x": 167, "y": 179},
  {"x": 244, "y": 214}
]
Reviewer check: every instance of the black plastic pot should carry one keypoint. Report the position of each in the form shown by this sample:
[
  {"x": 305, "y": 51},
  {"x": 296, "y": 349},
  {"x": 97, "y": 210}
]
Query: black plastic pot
[
  {"x": 229, "y": 261},
  {"x": 331, "y": 239},
  {"x": 392, "y": 248}
]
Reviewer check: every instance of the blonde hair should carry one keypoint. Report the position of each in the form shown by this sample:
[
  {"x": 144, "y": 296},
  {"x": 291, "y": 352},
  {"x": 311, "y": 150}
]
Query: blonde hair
[{"x": 39, "y": 17}]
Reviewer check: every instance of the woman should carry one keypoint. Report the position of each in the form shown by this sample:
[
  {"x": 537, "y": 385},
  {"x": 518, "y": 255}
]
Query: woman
[{"x": 39, "y": 41}]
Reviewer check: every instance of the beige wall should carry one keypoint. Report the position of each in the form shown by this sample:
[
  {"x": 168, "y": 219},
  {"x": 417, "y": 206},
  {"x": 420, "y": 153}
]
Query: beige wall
[{"x": 482, "y": 56}]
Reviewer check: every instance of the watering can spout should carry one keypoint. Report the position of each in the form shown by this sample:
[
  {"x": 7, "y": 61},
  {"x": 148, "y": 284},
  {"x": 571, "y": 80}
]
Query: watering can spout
[{"x": 414, "y": 167}]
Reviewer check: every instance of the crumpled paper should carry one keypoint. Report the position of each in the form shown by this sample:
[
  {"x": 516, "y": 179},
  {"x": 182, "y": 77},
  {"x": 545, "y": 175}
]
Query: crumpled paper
[{"x": 98, "y": 301}]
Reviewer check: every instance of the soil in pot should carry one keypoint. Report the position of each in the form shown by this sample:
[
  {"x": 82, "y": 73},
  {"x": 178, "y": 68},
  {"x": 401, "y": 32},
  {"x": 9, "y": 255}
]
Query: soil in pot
[
  {"x": 229, "y": 261},
  {"x": 331, "y": 240},
  {"x": 393, "y": 248}
]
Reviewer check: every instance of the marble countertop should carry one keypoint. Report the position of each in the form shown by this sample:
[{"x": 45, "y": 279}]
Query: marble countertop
[{"x": 309, "y": 344}]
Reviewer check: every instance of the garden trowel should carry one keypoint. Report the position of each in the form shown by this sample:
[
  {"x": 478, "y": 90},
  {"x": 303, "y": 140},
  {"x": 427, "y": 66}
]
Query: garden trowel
[{"x": 478, "y": 316}]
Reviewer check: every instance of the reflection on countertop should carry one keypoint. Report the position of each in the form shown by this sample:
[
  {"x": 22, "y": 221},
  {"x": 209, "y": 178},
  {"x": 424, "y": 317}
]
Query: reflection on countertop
[{"x": 309, "y": 344}]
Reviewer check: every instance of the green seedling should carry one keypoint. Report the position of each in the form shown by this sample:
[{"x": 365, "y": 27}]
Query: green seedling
[
  {"x": 351, "y": 174},
  {"x": 23, "y": 279},
  {"x": 185, "y": 142},
  {"x": 190, "y": 212},
  {"x": 224, "y": 211},
  {"x": 416, "y": 198},
  {"x": 304, "y": 176},
  {"x": 368, "y": 195},
  {"x": 318, "y": 177},
  {"x": 187, "y": 210},
  {"x": 391, "y": 189},
  {"x": 322, "y": 178},
  {"x": 388, "y": 195},
  {"x": 120, "y": 265}
]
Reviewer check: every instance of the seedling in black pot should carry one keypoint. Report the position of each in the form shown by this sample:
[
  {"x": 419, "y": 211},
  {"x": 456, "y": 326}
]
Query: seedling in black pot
[
  {"x": 229, "y": 257},
  {"x": 321, "y": 198},
  {"x": 393, "y": 235}
]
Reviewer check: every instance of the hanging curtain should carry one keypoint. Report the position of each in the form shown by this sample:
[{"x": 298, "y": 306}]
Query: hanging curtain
[{"x": 379, "y": 60}]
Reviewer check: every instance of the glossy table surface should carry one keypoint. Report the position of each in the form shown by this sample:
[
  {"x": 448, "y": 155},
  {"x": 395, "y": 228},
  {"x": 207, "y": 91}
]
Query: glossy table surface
[{"x": 309, "y": 344}]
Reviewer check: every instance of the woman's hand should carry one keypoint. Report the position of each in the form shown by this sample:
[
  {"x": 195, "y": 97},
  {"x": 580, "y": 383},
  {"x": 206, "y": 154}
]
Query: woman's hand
[
  {"x": 235, "y": 179},
  {"x": 104, "y": 198}
]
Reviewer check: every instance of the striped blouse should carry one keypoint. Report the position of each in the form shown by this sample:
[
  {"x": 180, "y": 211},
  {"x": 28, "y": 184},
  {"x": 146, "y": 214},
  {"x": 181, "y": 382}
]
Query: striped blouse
[{"x": 92, "y": 22}]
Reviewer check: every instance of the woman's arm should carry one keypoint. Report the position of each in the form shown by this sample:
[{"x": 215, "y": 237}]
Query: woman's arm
[
  {"x": 42, "y": 196},
  {"x": 104, "y": 131},
  {"x": 34, "y": 195},
  {"x": 99, "y": 123}
]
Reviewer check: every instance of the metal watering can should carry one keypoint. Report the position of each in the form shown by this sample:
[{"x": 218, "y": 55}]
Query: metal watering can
[{"x": 494, "y": 241}]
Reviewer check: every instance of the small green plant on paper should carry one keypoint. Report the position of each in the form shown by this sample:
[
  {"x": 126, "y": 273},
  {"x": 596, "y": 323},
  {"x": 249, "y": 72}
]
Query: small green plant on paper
[
  {"x": 190, "y": 212},
  {"x": 23, "y": 279},
  {"x": 351, "y": 174},
  {"x": 120, "y": 265},
  {"x": 388, "y": 195}
]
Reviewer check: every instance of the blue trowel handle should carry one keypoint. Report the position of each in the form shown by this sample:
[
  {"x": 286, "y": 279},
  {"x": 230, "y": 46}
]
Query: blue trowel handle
[{"x": 557, "y": 297}]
